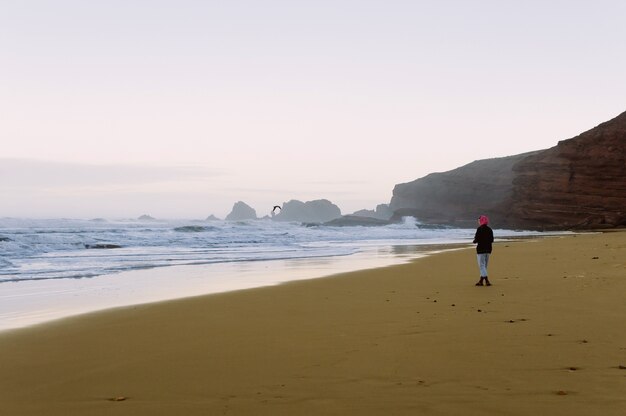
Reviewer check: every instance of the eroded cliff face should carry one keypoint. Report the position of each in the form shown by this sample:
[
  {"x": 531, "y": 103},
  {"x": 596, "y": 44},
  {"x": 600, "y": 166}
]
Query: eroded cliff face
[
  {"x": 580, "y": 183},
  {"x": 459, "y": 196}
]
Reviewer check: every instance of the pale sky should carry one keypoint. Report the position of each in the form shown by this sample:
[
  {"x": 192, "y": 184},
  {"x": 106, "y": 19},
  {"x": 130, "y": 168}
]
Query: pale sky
[{"x": 180, "y": 108}]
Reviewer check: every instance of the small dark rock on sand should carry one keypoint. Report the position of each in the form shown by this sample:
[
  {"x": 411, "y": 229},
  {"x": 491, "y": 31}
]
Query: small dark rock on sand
[{"x": 118, "y": 399}]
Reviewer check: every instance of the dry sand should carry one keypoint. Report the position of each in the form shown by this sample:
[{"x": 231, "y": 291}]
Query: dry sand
[{"x": 548, "y": 338}]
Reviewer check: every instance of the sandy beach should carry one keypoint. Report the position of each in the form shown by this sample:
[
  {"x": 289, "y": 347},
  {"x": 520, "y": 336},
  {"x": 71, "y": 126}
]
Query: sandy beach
[{"x": 547, "y": 338}]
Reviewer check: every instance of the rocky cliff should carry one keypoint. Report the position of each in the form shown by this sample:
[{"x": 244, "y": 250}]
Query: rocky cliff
[
  {"x": 580, "y": 183},
  {"x": 458, "y": 196}
]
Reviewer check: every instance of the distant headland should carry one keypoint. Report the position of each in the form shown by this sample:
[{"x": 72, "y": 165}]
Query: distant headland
[{"x": 577, "y": 184}]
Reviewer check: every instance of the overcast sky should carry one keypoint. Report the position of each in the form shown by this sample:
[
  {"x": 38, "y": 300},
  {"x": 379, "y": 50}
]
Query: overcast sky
[{"x": 180, "y": 108}]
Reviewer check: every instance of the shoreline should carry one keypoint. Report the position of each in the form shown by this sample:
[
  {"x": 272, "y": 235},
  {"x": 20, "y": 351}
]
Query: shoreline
[
  {"x": 413, "y": 338},
  {"x": 29, "y": 303}
]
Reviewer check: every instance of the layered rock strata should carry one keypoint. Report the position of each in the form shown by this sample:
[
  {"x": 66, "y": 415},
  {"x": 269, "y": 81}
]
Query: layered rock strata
[{"x": 578, "y": 184}]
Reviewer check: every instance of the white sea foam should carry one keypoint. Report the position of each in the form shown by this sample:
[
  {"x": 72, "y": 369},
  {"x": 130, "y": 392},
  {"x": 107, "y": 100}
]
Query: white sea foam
[
  {"x": 50, "y": 268},
  {"x": 57, "y": 249}
]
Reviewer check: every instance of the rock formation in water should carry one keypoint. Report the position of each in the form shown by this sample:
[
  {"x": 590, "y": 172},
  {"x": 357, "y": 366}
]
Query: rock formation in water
[
  {"x": 318, "y": 211},
  {"x": 382, "y": 212},
  {"x": 580, "y": 183},
  {"x": 146, "y": 217},
  {"x": 241, "y": 212},
  {"x": 212, "y": 218},
  {"x": 102, "y": 246}
]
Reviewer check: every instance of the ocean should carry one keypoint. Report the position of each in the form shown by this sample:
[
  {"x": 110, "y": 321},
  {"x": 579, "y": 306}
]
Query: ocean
[{"x": 61, "y": 267}]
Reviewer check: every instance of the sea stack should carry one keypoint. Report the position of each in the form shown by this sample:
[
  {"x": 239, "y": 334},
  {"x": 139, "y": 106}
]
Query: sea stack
[
  {"x": 241, "y": 212},
  {"x": 318, "y": 211}
]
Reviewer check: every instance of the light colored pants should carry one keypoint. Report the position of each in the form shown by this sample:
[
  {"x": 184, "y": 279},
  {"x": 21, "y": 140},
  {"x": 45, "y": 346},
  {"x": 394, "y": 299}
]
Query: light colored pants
[{"x": 483, "y": 262}]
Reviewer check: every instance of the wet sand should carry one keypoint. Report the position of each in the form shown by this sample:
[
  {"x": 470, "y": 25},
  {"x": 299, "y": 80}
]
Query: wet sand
[
  {"x": 414, "y": 339},
  {"x": 33, "y": 302}
]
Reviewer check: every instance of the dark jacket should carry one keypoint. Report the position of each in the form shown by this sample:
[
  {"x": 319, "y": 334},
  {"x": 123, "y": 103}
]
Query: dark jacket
[{"x": 484, "y": 238}]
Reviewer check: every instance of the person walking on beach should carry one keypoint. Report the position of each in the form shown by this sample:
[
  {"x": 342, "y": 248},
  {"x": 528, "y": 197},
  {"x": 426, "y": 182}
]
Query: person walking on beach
[{"x": 483, "y": 238}]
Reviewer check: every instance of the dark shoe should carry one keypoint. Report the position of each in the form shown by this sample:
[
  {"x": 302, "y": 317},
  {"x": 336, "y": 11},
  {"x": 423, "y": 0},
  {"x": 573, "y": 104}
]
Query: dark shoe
[
  {"x": 487, "y": 281},
  {"x": 480, "y": 283}
]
